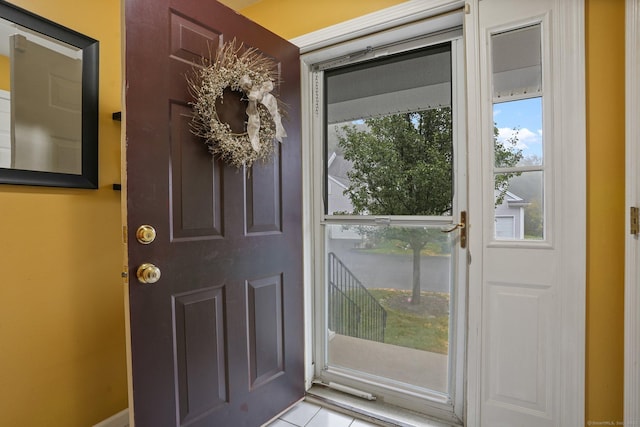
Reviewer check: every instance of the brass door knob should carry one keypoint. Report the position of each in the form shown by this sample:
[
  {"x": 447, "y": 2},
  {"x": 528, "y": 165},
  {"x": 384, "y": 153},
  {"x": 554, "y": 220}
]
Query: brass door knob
[
  {"x": 148, "y": 273},
  {"x": 145, "y": 234}
]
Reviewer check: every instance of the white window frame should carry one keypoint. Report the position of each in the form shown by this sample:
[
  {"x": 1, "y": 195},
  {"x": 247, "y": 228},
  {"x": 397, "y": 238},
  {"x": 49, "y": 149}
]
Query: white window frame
[{"x": 546, "y": 168}]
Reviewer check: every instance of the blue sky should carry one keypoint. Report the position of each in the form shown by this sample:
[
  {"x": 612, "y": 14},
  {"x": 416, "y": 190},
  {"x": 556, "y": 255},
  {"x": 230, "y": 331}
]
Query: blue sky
[{"x": 526, "y": 115}]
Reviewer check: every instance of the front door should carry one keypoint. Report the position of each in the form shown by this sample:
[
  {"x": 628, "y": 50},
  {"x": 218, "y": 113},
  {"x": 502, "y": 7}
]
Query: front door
[{"x": 218, "y": 339}]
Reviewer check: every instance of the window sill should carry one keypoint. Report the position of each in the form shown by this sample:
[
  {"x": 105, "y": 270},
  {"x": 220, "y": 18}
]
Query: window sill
[{"x": 374, "y": 411}]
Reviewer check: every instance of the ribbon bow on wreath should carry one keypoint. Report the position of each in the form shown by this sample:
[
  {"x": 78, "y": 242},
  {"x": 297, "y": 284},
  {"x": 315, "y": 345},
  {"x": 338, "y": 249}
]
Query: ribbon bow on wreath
[
  {"x": 261, "y": 94},
  {"x": 249, "y": 72}
]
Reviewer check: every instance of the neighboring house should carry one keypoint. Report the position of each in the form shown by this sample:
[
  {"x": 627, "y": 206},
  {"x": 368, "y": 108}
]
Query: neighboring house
[
  {"x": 509, "y": 219},
  {"x": 337, "y": 200},
  {"x": 337, "y": 183}
]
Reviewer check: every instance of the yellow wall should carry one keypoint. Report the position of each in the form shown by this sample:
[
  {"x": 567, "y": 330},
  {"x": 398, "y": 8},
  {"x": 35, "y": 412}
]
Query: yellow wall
[
  {"x": 5, "y": 83},
  {"x": 291, "y": 18},
  {"x": 605, "y": 209},
  {"x": 62, "y": 342}
]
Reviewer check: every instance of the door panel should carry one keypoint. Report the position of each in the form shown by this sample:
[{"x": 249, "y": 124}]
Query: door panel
[
  {"x": 201, "y": 365},
  {"x": 218, "y": 340},
  {"x": 519, "y": 328},
  {"x": 194, "y": 215},
  {"x": 263, "y": 197},
  {"x": 264, "y": 308}
]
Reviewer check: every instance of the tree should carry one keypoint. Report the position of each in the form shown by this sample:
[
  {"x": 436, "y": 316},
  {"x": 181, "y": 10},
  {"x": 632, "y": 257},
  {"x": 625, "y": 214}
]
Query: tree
[
  {"x": 529, "y": 186},
  {"x": 402, "y": 164},
  {"x": 533, "y": 220},
  {"x": 506, "y": 154}
]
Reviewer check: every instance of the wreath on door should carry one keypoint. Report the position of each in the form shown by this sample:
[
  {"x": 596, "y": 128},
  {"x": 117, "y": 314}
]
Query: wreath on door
[{"x": 247, "y": 71}]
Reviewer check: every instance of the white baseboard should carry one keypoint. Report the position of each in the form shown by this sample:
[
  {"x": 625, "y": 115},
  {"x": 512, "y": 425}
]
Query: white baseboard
[{"x": 121, "y": 419}]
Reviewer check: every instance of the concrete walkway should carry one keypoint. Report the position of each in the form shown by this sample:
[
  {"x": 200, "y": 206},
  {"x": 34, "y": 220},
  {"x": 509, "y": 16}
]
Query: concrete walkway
[{"x": 407, "y": 365}]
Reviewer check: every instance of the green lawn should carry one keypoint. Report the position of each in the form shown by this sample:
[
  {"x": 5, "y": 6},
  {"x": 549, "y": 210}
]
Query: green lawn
[
  {"x": 398, "y": 247},
  {"x": 424, "y": 326}
]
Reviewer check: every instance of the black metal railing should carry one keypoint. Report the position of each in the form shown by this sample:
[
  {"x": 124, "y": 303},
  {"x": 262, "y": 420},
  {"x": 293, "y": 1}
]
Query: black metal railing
[{"x": 353, "y": 311}]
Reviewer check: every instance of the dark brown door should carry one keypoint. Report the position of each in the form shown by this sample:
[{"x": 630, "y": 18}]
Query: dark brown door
[{"x": 218, "y": 340}]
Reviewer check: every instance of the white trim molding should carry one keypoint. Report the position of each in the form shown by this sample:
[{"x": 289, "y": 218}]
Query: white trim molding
[
  {"x": 572, "y": 177},
  {"x": 392, "y": 17},
  {"x": 632, "y": 253}
]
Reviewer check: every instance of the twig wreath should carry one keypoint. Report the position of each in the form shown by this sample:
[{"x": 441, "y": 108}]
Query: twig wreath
[{"x": 253, "y": 75}]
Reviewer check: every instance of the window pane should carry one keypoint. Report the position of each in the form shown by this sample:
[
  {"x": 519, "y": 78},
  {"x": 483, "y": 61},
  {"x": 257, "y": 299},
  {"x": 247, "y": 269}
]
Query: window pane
[
  {"x": 518, "y": 133},
  {"x": 388, "y": 302},
  {"x": 516, "y": 61},
  {"x": 519, "y": 213},
  {"x": 389, "y": 146},
  {"x": 395, "y": 165}
]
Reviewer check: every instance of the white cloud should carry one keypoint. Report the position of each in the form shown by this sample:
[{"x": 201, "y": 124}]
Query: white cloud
[{"x": 526, "y": 138}]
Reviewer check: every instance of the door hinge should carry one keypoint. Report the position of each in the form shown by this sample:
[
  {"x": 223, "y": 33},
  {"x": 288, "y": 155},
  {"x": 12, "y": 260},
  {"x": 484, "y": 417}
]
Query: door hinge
[
  {"x": 124, "y": 234},
  {"x": 634, "y": 221}
]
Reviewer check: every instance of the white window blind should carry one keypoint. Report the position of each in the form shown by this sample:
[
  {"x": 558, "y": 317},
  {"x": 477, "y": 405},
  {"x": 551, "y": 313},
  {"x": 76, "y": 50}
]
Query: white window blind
[
  {"x": 414, "y": 82},
  {"x": 517, "y": 62}
]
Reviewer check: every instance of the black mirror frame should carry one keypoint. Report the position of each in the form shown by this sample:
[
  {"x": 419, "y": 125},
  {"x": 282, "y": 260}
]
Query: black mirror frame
[{"x": 90, "y": 58}]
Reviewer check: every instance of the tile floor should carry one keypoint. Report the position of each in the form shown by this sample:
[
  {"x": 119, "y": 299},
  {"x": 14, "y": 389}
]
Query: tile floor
[{"x": 306, "y": 414}]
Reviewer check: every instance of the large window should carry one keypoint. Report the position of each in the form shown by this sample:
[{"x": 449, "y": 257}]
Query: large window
[{"x": 390, "y": 280}]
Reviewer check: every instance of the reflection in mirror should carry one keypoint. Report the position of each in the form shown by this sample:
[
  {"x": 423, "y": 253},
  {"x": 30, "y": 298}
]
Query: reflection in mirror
[{"x": 48, "y": 102}]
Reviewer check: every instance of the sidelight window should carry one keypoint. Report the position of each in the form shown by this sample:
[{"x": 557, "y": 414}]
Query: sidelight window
[{"x": 519, "y": 146}]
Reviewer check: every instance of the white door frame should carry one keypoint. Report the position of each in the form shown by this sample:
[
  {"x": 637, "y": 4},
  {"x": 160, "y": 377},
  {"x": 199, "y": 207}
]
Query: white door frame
[
  {"x": 632, "y": 253},
  {"x": 570, "y": 180}
]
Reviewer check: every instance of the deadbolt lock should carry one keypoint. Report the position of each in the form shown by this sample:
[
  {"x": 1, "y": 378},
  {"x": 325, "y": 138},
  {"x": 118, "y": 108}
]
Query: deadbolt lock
[
  {"x": 146, "y": 234},
  {"x": 148, "y": 273}
]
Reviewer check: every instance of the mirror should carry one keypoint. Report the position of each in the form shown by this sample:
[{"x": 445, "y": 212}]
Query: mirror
[{"x": 48, "y": 102}]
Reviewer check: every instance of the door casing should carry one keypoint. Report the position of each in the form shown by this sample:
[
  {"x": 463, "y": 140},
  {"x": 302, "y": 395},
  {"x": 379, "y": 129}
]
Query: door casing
[{"x": 632, "y": 251}]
